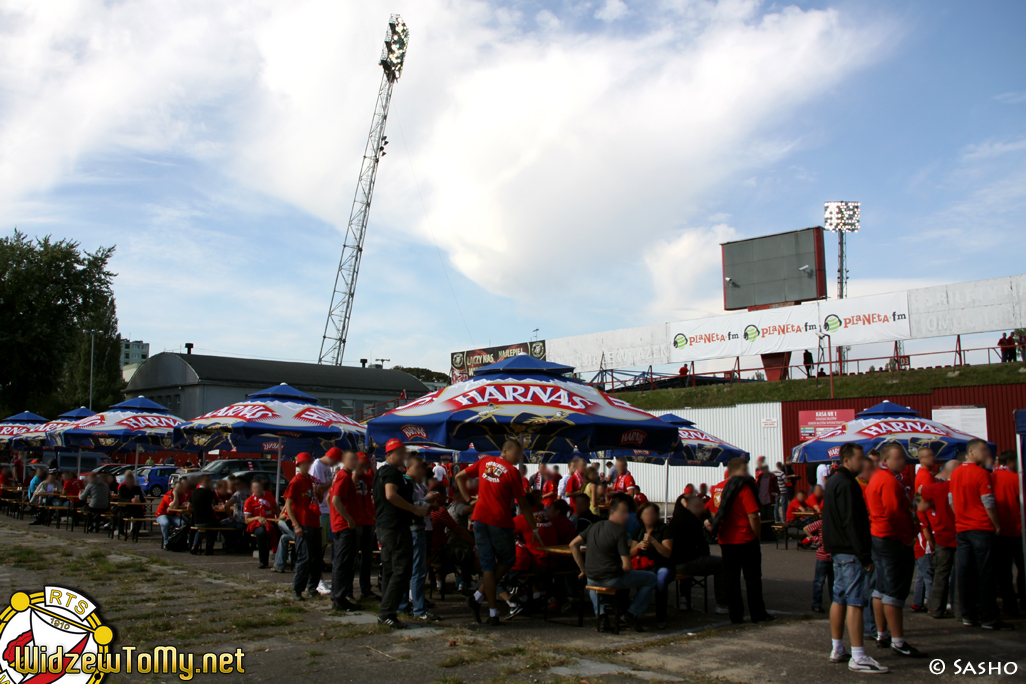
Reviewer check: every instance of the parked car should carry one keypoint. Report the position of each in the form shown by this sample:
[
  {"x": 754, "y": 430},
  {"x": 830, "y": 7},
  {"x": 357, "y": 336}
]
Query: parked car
[
  {"x": 107, "y": 468},
  {"x": 154, "y": 480},
  {"x": 179, "y": 473},
  {"x": 268, "y": 477},
  {"x": 91, "y": 461},
  {"x": 223, "y": 467}
]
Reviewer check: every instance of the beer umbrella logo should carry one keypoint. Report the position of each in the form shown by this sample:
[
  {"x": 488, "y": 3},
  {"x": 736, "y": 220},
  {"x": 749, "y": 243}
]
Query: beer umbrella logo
[
  {"x": 832, "y": 323},
  {"x": 63, "y": 622},
  {"x": 680, "y": 341},
  {"x": 751, "y": 333}
]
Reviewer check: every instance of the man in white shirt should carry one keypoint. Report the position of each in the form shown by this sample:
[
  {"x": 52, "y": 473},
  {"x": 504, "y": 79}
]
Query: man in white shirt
[
  {"x": 822, "y": 472},
  {"x": 439, "y": 472},
  {"x": 322, "y": 473}
]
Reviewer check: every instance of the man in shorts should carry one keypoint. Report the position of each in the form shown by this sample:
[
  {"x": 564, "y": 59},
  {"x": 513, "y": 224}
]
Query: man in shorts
[
  {"x": 499, "y": 485},
  {"x": 846, "y": 537}
]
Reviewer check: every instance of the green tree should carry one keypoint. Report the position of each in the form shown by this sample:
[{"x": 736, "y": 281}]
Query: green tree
[
  {"x": 50, "y": 291},
  {"x": 424, "y": 374}
]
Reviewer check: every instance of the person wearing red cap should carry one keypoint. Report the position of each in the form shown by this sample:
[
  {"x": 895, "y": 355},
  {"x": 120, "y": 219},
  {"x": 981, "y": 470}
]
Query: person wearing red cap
[
  {"x": 1008, "y": 544},
  {"x": 394, "y": 511},
  {"x": 322, "y": 471},
  {"x": 499, "y": 484},
  {"x": 366, "y": 543},
  {"x": 344, "y": 501},
  {"x": 303, "y": 510}
]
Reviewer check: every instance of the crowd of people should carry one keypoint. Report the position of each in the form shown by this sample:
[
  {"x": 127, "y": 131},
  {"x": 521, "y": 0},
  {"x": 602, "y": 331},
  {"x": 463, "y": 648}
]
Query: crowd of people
[{"x": 880, "y": 530}]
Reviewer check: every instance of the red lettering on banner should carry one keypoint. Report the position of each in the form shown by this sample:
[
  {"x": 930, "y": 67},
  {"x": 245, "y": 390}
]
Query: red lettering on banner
[
  {"x": 890, "y": 427},
  {"x": 834, "y": 452},
  {"x": 834, "y": 432},
  {"x": 866, "y": 319},
  {"x": 781, "y": 329},
  {"x": 706, "y": 338},
  {"x": 145, "y": 422},
  {"x": 414, "y": 432},
  {"x": 633, "y": 437},
  {"x": 7, "y": 430},
  {"x": 323, "y": 416},
  {"x": 545, "y": 395},
  {"x": 91, "y": 421},
  {"x": 696, "y": 435},
  {"x": 245, "y": 412}
]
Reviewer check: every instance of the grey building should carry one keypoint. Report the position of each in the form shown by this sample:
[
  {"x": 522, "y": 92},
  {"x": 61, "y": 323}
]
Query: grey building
[
  {"x": 194, "y": 384},
  {"x": 133, "y": 351}
]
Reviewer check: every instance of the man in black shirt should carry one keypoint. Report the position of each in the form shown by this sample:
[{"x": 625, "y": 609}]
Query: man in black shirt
[
  {"x": 691, "y": 548},
  {"x": 607, "y": 563},
  {"x": 201, "y": 508},
  {"x": 394, "y": 511}
]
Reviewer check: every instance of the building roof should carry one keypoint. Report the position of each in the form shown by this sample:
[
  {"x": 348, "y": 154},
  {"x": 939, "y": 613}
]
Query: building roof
[{"x": 165, "y": 369}]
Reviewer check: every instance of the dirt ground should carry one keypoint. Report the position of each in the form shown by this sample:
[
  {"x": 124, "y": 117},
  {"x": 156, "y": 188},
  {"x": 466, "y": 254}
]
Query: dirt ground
[{"x": 223, "y": 602}]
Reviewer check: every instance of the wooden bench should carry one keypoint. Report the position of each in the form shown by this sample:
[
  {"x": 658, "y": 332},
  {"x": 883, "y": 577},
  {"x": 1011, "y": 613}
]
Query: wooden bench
[
  {"x": 214, "y": 530},
  {"x": 602, "y": 593},
  {"x": 150, "y": 522}
]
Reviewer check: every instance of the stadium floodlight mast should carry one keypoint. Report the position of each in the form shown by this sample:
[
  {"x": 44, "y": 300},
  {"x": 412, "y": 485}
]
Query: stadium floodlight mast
[
  {"x": 393, "y": 56},
  {"x": 841, "y": 218}
]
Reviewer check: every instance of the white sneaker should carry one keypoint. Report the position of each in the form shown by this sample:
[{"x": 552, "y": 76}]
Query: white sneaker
[
  {"x": 866, "y": 665},
  {"x": 722, "y": 610},
  {"x": 323, "y": 588},
  {"x": 839, "y": 656}
]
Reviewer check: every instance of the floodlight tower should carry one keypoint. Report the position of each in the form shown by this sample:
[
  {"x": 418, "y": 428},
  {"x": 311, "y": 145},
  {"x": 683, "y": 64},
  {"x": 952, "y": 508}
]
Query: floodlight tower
[
  {"x": 842, "y": 218},
  {"x": 333, "y": 344}
]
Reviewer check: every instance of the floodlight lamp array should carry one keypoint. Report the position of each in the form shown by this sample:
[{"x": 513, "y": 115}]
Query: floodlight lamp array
[
  {"x": 841, "y": 217},
  {"x": 394, "y": 53}
]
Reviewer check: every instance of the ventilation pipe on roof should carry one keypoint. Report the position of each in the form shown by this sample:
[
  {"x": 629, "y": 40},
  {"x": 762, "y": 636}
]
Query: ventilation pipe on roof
[
  {"x": 188, "y": 347},
  {"x": 363, "y": 363}
]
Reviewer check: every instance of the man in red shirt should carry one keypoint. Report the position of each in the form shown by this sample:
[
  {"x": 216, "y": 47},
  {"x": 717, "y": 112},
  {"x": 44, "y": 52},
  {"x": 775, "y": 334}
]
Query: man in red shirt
[
  {"x": 797, "y": 505},
  {"x": 305, "y": 513},
  {"x": 260, "y": 514},
  {"x": 549, "y": 489},
  {"x": 942, "y": 523},
  {"x": 977, "y": 526},
  {"x": 575, "y": 480},
  {"x": 624, "y": 482},
  {"x": 894, "y": 532},
  {"x": 737, "y": 526},
  {"x": 345, "y": 502},
  {"x": 1008, "y": 545},
  {"x": 364, "y": 514},
  {"x": 927, "y": 464},
  {"x": 815, "y": 499},
  {"x": 499, "y": 485}
]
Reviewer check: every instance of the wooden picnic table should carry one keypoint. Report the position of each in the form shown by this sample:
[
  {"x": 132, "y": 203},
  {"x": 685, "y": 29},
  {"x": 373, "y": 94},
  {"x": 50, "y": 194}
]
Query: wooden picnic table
[
  {"x": 805, "y": 514},
  {"x": 559, "y": 550}
]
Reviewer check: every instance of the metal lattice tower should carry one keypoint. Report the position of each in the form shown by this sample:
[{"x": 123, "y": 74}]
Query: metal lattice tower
[
  {"x": 842, "y": 218},
  {"x": 333, "y": 344}
]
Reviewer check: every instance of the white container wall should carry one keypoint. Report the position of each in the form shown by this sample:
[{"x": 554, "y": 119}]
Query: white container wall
[{"x": 756, "y": 428}]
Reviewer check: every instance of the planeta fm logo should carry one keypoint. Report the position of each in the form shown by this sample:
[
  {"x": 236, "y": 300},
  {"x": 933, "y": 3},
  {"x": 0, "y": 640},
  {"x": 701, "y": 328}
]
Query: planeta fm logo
[
  {"x": 832, "y": 323},
  {"x": 59, "y": 625},
  {"x": 751, "y": 333},
  {"x": 680, "y": 341}
]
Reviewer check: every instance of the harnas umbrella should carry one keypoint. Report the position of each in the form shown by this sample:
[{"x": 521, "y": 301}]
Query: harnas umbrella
[
  {"x": 883, "y": 424},
  {"x": 19, "y": 424},
  {"x": 696, "y": 447},
  {"x": 526, "y": 399},
  {"x": 38, "y": 436},
  {"x": 137, "y": 423},
  {"x": 281, "y": 419}
]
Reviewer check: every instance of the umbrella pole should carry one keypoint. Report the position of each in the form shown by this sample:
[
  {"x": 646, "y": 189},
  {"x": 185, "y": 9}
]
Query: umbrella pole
[
  {"x": 277, "y": 477},
  {"x": 137, "y": 448},
  {"x": 79, "y": 476},
  {"x": 666, "y": 492},
  {"x": 1022, "y": 508}
]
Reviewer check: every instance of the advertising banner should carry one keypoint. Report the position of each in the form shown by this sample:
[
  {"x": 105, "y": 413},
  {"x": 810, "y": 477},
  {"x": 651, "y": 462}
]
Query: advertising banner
[
  {"x": 812, "y": 424},
  {"x": 464, "y": 363},
  {"x": 864, "y": 320}
]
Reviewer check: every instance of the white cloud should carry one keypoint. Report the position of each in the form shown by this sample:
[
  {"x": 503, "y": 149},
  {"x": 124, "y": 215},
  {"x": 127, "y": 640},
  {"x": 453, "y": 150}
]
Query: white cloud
[
  {"x": 1014, "y": 97},
  {"x": 612, "y": 10},
  {"x": 539, "y": 153},
  {"x": 686, "y": 273},
  {"x": 993, "y": 148}
]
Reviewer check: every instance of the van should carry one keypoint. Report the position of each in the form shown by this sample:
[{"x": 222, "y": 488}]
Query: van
[{"x": 90, "y": 461}]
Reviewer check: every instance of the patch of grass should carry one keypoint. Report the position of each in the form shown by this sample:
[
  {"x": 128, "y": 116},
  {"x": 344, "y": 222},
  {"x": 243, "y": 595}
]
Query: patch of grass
[
  {"x": 292, "y": 610},
  {"x": 474, "y": 656},
  {"x": 920, "y": 381},
  {"x": 351, "y": 632},
  {"x": 314, "y": 653}
]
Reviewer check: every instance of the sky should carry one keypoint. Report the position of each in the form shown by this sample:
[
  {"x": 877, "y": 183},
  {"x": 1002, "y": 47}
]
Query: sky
[{"x": 566, "y": 167}]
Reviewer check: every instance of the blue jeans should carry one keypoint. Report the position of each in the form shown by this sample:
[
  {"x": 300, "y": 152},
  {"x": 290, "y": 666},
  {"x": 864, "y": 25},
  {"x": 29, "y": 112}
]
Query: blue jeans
[
  {"x": 850, "y": 583},
  {"x": 824, "y": 576},
  {"x": 642, "y": 580},
  {"x": 282, "y": 554},
  {"x": 868, "y": 617},
  {"x": 895, "y": 564},
  {"x": 166, "y": 522},
  {"x": 662, "y": 591},
  {"x": 780, "y": 509},
  {"x": 416, "y": 595},
  {"x": 977, "y": 593},
  {"x": 924, "y": 580}
]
